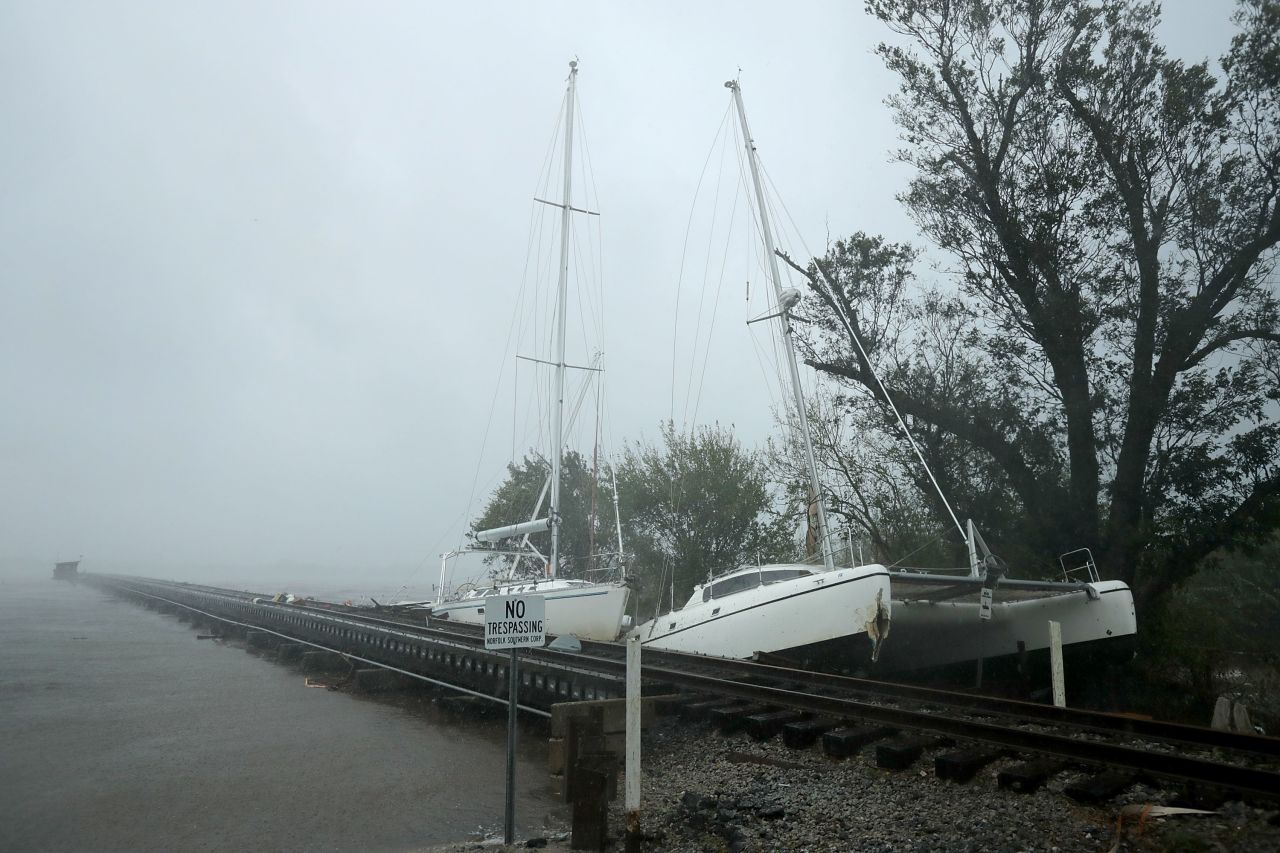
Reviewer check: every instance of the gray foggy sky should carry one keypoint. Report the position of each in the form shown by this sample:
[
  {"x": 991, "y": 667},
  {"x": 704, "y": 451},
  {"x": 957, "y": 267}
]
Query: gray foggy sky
[{"x": 257, "y": 259}]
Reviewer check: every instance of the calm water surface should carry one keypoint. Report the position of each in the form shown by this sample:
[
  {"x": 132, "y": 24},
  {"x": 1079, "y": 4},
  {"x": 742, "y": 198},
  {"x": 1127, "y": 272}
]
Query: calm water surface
[{"x": 119, "y": 730}]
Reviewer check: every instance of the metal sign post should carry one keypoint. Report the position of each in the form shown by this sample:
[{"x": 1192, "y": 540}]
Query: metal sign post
[
  {"x": 632, "y": 789},
  {"x": 512, "y": 621},
  {"x": 513, "y": 686}
]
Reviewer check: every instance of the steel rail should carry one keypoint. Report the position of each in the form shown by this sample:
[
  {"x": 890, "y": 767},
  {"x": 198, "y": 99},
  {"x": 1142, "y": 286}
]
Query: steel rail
[
  {"x": 1178, "y": 733},
  {"x": 1263, "y": 783}
]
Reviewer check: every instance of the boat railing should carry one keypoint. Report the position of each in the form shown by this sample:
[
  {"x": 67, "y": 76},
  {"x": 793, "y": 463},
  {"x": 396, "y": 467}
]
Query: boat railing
[
  {"x": 1088, "y": 569},
  {"x": 929, "y": 570}
]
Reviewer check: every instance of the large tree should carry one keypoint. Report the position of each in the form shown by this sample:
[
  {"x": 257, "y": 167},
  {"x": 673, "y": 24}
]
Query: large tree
[
  {"x": 1112, "y": 213},
  {"x": 587, "y": 540},
  {"x": 696, "y": 505}
]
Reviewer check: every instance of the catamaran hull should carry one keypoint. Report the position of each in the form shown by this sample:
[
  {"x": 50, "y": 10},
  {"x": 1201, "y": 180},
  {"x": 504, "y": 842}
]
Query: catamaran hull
[
  {"x": 819, "y": 620},
  {"x": 590, "y": 613},
  {"x": 930, "y": 635}
]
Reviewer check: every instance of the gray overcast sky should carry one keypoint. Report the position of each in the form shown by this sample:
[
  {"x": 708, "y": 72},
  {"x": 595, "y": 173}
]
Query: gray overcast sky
[{"x": 257, "y": 259}]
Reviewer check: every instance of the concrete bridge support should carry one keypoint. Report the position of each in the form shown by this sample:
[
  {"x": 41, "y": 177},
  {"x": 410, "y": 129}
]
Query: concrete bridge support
[
  {"x": 321, "y": 661},
  {"x": 290, "y": 651},
  {"x": 261, "y": 640},
  {"x": 378, "y": 680}
]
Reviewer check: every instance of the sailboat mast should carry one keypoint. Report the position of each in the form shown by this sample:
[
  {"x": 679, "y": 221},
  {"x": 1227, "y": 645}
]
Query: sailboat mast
[
  {"x": 785, "y": 318},
  {"x": 562, "y": 305}
]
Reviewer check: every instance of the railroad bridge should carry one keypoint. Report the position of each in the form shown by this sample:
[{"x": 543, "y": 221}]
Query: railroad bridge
[
  {"x": 763, "y": 700},
  {"x": 325, "y": 636}
]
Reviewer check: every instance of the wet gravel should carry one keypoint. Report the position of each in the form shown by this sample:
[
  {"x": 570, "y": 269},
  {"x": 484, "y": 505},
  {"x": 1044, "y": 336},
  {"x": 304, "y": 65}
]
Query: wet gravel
[{"x": 706, "y": 792}]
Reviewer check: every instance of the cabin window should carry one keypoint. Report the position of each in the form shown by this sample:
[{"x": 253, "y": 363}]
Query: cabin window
[
  {"x": 777, "y": 575},
  {"x": 751, "y": 580},
  {"x": 739, "y": 583}
]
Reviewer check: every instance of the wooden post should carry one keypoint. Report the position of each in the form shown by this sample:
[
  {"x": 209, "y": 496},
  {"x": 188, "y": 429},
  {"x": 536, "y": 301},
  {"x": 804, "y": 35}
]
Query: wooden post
[
  {"x": 1055, "y": 664},
  {"x": 587, "y": 781}
]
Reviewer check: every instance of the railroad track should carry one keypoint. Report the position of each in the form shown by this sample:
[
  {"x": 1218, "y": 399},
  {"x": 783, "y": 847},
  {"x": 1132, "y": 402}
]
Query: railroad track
[
  {"x": 802, "y": 706},
  {"x": 758, "y": 698}
]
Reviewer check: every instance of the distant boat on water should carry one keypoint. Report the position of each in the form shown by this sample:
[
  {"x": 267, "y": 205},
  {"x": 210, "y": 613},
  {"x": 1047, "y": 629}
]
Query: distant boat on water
[{"x": 66, "y": 571}]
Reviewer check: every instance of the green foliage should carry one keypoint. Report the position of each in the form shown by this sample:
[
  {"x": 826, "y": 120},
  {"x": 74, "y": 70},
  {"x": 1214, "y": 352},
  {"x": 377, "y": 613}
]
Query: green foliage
[
  {"x": 516, "y": 500},
  {"x": 1220, "y": 631},
  {"x": 697, "y": 505}
]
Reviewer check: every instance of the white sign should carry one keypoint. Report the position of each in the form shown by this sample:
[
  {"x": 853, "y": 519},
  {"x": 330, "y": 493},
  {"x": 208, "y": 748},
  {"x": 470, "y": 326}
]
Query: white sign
[
  {"x": 984, "y": 604},
  {"x": 512, "y": 621}
]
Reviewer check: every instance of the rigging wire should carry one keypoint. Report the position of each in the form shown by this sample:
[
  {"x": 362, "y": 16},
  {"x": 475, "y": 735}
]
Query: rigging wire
[
  {"x": 514, "y": 334},
  {"x": 597, "y": 266},
  {"x": 684, "y": 253},
  {"x": 715, "y": 310},
  {"x": 702, "y": 293},
  {"x": 849, "y": 328}
]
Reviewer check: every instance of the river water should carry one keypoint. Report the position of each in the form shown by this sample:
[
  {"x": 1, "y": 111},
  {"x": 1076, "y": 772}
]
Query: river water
[{"x": 119, "y": 730}]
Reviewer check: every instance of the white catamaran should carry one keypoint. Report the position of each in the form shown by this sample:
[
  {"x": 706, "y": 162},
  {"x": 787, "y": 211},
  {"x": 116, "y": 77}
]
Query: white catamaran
[
  {"x": 825, "y": 616},
  {"x": 947, "y": 617},
  {"x": 578, "y": 607}
]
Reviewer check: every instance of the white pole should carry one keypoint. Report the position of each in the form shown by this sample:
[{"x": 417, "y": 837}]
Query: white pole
[
  {"x": 1055, "y": 664},
  {"x": 632, "y": 784},
  {"x": 617, "y": 519},
  {"x": 562, "y": 305},
  {"x": 802, "y": 414},
  {"x": 971, "y": 540},
  {"x": 444, "y": 565}
]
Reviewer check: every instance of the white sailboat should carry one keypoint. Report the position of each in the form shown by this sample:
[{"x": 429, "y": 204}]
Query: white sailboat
[
  {"x": 578, "y": 607},
  {"x": 814, "y": 616}
]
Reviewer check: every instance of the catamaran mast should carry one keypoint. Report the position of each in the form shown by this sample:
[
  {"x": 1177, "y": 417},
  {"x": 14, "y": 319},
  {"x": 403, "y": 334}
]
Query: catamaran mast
[
  {"x": 785, "y": 317},
  {"x": 562, "y": 304}
]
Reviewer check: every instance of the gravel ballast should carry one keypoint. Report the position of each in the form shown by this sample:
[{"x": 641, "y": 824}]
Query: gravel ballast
[{"x": 707, "y": 792}]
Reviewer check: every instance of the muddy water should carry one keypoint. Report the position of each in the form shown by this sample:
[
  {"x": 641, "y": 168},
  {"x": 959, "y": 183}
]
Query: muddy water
[{"x": 119, "y": 730}]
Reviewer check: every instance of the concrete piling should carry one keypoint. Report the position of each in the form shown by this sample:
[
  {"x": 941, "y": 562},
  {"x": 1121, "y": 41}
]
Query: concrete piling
[
  {"x": 260, "y": 640},
  {"x": 321, "y": 661},
  {"x": 378, "y": 680},
  {"x": 286, "y": 652}
]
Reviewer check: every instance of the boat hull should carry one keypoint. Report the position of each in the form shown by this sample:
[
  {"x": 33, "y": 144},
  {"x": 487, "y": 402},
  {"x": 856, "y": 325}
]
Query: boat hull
[
  {"x": 929, "y": 635},
  {"x": 588, "y": 612},
  {"x": 818, "y": 620}
]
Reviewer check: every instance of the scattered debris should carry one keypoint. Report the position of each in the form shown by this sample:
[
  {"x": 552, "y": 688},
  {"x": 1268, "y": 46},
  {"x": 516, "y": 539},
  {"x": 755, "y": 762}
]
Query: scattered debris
[
  {"x": 1139, "y": 813},
  {"x": 1231, "y": 715}
]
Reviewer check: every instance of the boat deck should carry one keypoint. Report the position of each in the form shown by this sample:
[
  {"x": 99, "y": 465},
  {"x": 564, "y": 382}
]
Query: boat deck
[{"x": 932, "y": 586}]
